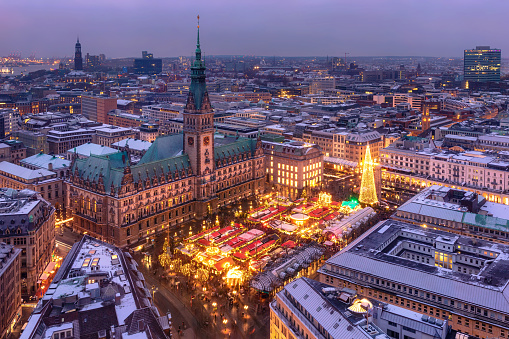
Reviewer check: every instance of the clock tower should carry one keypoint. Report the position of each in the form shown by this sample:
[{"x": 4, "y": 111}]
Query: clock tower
[{"x": 199, "y": 135}]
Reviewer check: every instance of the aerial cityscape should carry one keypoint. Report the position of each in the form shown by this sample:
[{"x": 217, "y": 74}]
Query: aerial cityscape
[{"x": 279, "y": 170}]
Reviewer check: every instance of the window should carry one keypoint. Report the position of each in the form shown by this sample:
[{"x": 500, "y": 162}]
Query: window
[
  {"x": 392, "y": 334},
  {"x": 408, "y": 329}
]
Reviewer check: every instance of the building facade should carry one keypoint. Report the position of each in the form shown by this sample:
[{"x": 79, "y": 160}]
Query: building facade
[
  {"x": 28, "y": 222},
  {"x": 96, "y": 108},
  {"x": 60, "y": 141},
  {"x": 108, "y": 135},
  {"x": 48, "y": 183},
  {"x": 10, "y": 290},
  {"x": 292, "y": 167},
  {"x": 442, "y": 275},
  {"x": 482, "y": 64},
  {"x": 347, "y": 145},
  {"x": 409, "y": 165}
]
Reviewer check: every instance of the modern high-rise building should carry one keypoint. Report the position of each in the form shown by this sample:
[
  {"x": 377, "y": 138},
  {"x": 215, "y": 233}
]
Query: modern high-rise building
[
  {"x": 96, "y": 108},
  {"x": 92, "y": 61},
  {"x": 482, "y": 64},
  {"x": 148, "y": 64},
  {"x": 78, "y": 58}
]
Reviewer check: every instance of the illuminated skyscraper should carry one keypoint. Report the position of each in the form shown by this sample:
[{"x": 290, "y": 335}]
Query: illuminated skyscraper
[
  {"x": 78, "y": 59},
  {"x": 482, "y": 64}
]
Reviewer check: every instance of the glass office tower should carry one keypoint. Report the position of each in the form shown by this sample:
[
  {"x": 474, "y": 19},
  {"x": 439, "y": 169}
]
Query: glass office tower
[{"x": 482, "y": 64}]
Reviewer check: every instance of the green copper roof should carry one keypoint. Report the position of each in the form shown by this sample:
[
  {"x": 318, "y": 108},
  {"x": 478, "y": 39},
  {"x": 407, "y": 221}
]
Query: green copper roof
[
  {"x": 198, "y": 89},
  {"x": 163, "y": 147},
  {"x": 236, "y": 147},
  {"x": 110, "y": 166},
  {"x": 112, "y": 169}
]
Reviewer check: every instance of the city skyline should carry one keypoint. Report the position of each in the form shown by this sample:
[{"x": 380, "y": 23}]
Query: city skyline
[{"x": 398, "y": 28}]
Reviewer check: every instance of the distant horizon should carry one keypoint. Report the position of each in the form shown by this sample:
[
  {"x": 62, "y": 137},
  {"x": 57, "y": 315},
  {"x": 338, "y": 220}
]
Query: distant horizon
[
  {"x": 229, "y": 27},
  {"x": 252, "y": 56}
]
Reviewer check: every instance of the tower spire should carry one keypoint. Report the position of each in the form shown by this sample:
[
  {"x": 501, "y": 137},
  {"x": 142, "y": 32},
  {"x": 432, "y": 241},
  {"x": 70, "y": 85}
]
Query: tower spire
[
  {"x": 198, "y": 39},
  {"x": 198, "y": 49}
]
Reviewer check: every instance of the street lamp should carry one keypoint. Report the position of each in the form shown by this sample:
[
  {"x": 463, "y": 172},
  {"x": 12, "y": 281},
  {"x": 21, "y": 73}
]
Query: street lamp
[{"x": 246, "y": 307}]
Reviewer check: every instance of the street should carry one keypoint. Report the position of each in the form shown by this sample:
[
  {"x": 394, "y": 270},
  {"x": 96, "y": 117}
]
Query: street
[{"x": 206, "y": 314}]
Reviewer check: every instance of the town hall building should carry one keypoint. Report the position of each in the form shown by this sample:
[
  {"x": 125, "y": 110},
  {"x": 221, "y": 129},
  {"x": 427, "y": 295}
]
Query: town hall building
[{"x": 181, "y": 177}]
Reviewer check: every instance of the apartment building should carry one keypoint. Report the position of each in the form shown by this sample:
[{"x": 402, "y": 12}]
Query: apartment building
[
  {"x": 28, "y": 222},
  {"x": 10, "y": 288},
  {"x": 411, "y": 164}
]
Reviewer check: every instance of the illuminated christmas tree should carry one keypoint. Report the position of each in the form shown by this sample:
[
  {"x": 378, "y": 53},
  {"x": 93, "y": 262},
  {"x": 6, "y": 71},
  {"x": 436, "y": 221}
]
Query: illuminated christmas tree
[
  {"x": 165, "y": 258},
  {"x": 368, "y": 189}
]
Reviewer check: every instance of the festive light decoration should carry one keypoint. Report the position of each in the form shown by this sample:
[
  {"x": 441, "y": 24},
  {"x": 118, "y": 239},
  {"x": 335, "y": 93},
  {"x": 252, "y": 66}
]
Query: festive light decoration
[
  {"x": 234, "y": 273},
  {"x": 188, "y": 270},
  {"x": 368, "y": 189},
  {"x": 213, "y": 250},
  {"x": 165, "y": 258},
  {"x": 203, "y": 275},
  {"x": 234, "y": 276},
  {"x": 324, "y": 198},
  {"x": 175, "y": 265}
]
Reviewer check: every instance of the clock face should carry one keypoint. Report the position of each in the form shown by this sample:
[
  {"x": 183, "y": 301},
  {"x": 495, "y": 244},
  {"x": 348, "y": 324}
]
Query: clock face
[
  {"x": 206, "y": 141},
  {"x": 190, "y": 141}
]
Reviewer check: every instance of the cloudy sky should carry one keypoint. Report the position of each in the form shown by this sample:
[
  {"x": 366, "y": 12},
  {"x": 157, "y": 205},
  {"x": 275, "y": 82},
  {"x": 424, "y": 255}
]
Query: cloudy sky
[{"x": 123, "y": 28}]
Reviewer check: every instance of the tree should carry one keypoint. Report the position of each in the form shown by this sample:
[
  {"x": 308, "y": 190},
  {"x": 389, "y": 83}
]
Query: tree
[
  {"x": 165, "y": 258},
  {"x": 368, "y": 189}
]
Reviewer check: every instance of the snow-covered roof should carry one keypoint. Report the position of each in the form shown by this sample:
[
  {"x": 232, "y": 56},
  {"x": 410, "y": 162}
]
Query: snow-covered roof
[
  {"x": 90, "y": 148},
  {"x": 136, "y": 144},
  {"x": 42, "y": 160},
  {"x": 25, "y": 173}
]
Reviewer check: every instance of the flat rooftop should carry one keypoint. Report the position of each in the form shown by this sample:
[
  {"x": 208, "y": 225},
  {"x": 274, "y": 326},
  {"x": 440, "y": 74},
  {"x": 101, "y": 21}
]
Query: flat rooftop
[
  {"x": 373, "y": 254},
  {"x": 428, "y": 203}
]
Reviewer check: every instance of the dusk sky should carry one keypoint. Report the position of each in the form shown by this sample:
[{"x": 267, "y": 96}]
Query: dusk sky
[{"x": 123, "y": 28}]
